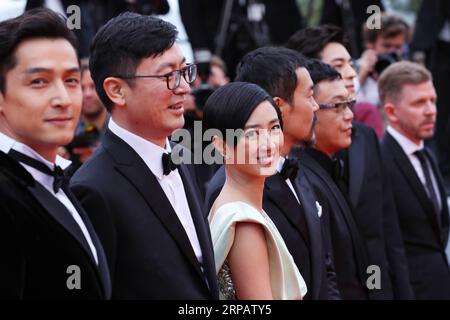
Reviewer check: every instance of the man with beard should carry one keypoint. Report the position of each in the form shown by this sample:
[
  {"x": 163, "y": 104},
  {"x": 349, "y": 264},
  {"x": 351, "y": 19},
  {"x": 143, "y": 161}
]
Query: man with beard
[
  {"x": 409, "y": 99},
  {"x": 287, "y": 200}
]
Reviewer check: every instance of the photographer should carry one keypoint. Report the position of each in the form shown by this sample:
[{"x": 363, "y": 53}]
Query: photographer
[{"x": 384, "y": 46}]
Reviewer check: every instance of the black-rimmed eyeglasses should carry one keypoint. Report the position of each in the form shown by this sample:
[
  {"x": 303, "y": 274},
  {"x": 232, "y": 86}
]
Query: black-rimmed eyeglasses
[
  {"x": 173, "y": 79},
  {"x": 342, "y": 105}
]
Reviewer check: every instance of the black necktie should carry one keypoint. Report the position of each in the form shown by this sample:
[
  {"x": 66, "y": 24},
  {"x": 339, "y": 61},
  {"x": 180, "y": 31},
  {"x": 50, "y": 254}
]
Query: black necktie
[
  {"x": 337, "y": 168},
  {"x": 168, "y": 164},
  {"x": 61, "y": 180},
  {"x": 428, "y": 181},
  {"x": 289, "y": 169}
]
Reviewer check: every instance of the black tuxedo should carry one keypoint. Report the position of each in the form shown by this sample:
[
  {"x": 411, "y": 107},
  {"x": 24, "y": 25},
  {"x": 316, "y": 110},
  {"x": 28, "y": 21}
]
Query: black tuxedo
[
  {"x": 39, "y": 241},
  {"x": 299, "y": 225},
  {"x": 149, "y": 253},
  {"x": 349, "y": 249},
  {"x": 374, "y": 213},
  {"x": 424, "y": 233}
]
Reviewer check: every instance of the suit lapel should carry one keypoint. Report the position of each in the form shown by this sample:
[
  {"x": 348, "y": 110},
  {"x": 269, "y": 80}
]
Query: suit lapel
[
  {"x": 410, "y": 174},
  {"x": 358, "y": 243},
  {"x": 134, "y": 169},
  {"x": 444, "y": 214},
  {"x": 279, "y": 192},
  {"x": 313, "y": 225},
  {"x": 202, "y": 228},
  {"x": 102, "y": 262},
  {"x": 356, "y": 162},
  {"x": 60, "y": 213}
]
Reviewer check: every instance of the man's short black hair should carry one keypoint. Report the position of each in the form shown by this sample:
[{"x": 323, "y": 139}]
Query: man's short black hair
[
  {"x": 123, "y": 42},
  {"x": 320, "y": 71},
  {"x": 273, "y": 69},
  {"x": 311, "y": 41},
  {"x": 35, "y": 23}
]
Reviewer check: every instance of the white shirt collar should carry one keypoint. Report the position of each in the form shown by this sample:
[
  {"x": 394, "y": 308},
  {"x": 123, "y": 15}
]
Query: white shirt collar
[
  {"x": 408, "y": 146},
  {"x": 7, "y": 143},
  {"x": 150, "y": 153},
  {"x": 280, "y": 163}
]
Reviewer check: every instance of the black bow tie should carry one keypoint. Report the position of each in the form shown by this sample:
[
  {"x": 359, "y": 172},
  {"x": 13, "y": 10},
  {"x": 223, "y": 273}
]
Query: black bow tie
[
  {"x": 289, "y": 169},
  {"x": 168, "y": 164},
  {"x": 61, "y": 180}
]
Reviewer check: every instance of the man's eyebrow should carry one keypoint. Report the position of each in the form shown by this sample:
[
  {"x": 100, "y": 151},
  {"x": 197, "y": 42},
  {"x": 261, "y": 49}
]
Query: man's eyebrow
[
  {"x": 169, "y": 64},
  {"x": 46, "y": 70}
]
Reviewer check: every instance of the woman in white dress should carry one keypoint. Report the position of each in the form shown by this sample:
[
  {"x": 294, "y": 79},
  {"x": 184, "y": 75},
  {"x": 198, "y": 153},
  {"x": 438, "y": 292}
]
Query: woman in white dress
[{"x": 252, "y": 260}]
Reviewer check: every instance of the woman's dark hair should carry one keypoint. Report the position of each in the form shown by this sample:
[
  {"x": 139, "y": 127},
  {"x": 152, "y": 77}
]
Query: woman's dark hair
[
  {"x": 230, "y": 106},
  {"x": 123, "y": 42},
  {"x": 35, "y": 23}
]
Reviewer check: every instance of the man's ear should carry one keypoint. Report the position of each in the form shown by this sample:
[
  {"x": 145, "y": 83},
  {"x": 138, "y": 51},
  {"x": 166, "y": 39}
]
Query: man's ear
[
  {"x": 281, "y": 103},
  {"x": 115, "y": 90},
  {"x": 390, "y": 112},
  {"x": 220, "y": 145}
]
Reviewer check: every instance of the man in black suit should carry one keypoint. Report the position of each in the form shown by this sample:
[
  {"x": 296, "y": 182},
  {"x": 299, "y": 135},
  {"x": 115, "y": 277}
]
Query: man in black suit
[
  {"x": 333, "y": 133},
  {"x": 146, "y": 210},
  {"x": 409, "y": 100},
  {"x": 49, "y": 247},
  {"x": 364, "y": 180},
  {"x": 289, "y": 201}
]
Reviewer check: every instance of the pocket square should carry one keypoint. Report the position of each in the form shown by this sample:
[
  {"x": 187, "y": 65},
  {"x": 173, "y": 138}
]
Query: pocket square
[{"x": 319, "y": 209}]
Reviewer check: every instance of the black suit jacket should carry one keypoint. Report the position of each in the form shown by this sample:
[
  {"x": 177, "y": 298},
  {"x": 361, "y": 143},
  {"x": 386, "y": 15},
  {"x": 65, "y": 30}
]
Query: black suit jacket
[
  {"x": 374, "y": 213},
  {"x": 39, "y": 240},
  {"x": 299, "y": 225},
  {"x": 349, "y": 249},
  {"x": 424, "y": 234},
  {"x": 149, "y": 253}
]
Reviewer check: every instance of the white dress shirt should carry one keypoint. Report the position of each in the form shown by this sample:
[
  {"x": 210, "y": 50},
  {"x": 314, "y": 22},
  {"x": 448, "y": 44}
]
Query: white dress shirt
[
  {"x": 7, "y": 143},
  {"x": 409, "y": 148},
  {"x": 172, "y": 184},
  {"x": 288, "y": 181}
]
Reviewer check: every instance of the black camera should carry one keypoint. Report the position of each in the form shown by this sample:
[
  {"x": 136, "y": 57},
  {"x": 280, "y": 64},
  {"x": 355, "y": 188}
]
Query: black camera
[{"x": 385, "y": 60}]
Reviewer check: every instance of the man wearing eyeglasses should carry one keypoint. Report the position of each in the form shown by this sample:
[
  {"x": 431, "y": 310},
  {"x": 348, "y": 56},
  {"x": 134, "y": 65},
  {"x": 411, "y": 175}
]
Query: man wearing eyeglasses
[
  {"x": 324, "y": 170},
  {"x": 145, "y": 208}
]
